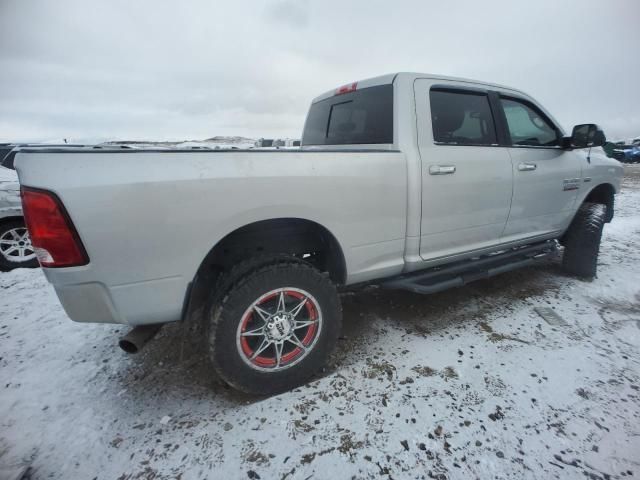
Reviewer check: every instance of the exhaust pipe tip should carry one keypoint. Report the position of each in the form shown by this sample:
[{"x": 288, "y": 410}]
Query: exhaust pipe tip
[
  {"x": 138, "y": 337},
  {"x": 128, "y": 346}
]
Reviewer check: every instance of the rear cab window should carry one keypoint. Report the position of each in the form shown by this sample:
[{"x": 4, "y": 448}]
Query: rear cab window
[
  {"x": 461, "y": 117},
  {"x": 355, "y": 118}
]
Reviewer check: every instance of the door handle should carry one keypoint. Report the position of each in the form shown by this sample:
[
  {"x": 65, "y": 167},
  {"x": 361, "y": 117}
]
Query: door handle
[
  {"x": 527, "y": 167},
  {"x": 442, "y": 169}
]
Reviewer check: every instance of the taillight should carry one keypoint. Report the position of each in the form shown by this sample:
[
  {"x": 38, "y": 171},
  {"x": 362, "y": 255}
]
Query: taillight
[
  {"x": 53, "y": 236},
  {"x": 352, "y": 87}
]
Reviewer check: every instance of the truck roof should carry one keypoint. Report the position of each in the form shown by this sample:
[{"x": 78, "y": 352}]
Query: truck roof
[{"x": 392, "y": 77}]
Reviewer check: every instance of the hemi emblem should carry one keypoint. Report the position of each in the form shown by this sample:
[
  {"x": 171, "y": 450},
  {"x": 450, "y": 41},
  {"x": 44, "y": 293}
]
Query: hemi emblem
[{"x": 571, "y": 184}]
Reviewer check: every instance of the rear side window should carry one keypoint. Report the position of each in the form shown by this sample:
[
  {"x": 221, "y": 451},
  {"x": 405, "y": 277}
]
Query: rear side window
[
  {"x": 528, "y": 126},
  {"x": 360, "y": 117},
  {"x": 7, "y": 161},
  {"x": 4, "y": 153},
  {"x": 461, "y": 118}
]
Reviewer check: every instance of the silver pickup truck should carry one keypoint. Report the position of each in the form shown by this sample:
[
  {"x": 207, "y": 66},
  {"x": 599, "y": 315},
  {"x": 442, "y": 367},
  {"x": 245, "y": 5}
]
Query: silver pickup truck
[{"x": 413, "y": 181}]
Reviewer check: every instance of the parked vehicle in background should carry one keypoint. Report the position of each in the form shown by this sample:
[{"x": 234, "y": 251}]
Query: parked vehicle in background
[
  {"x": 7, "y": 154},
  {"x": 631, "y": 155},
  {"x": 617, "y": 154},
  {"x": 5, "y": 148},
  {"x": 627, "y": 154},
  {"x": 264, "y": 142},
  {"x": 623, "y": 152},
  {"x": 15, "y": 246},
  {"x": 414, "y": 181},
  {"x": 16, "y": 250},
  {"x": 7, "y": 161}
]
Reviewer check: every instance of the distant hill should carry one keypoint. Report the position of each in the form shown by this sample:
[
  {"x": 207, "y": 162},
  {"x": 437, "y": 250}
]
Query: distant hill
[
  {"x": 137, "y": 142},
  {"x": 227, "y": 139},
  {"x": 218, "y": 139}
]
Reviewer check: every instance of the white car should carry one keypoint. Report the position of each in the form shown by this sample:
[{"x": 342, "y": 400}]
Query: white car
[{"x": 15, "y": 246}]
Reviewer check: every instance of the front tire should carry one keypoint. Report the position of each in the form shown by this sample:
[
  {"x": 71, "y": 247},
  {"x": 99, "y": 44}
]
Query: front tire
[
  {"x": 275, "y": 327},
  {"x": 582, "y": 240}
]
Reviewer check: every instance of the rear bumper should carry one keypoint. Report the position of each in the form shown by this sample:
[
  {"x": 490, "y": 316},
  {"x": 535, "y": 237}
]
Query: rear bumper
[
  {"x": 88, "y": 302},
  {"x": 139, "y": 303}
]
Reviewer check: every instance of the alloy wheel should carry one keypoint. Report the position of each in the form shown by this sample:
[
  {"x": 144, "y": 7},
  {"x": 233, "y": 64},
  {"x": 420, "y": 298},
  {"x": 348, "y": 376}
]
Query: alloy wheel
[
  {"x": 279, "y": 329},
  {"x": 15, "y": 245}
]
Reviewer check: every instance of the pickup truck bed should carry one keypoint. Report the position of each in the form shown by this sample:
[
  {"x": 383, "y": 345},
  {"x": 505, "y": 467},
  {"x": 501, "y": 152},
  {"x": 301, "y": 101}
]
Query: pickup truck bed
[{"x": 149, "y": 218}]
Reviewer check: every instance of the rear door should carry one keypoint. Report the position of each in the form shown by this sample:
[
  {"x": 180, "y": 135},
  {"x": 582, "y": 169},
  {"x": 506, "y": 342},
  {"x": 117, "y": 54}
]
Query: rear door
[
  {"x": 466, "y": 173},
  {"x": 546, "y": 176}
]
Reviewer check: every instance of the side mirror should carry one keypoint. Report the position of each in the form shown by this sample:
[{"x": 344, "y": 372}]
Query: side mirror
[{"x": 587, "y": 135}]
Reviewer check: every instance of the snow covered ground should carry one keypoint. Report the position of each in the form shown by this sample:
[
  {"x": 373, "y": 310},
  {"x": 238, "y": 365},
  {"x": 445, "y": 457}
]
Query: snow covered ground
[{"x": 469, "y": 383}]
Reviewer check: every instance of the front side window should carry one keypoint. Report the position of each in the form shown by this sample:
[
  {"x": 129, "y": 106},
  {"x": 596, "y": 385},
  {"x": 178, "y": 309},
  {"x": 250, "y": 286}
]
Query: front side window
[
  {"x": 461, "y": 118},
  {"x": 528, "y": 126}
]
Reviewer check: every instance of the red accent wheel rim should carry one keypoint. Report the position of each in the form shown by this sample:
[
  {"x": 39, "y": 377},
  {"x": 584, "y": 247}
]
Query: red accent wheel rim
[{"x": 279, "y": 329}]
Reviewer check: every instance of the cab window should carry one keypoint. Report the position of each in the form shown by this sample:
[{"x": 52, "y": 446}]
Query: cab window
[
  {"x": 528, "y": 127},
  {"x": 461, "y": 118},
  {"x": 364, "y": 116}
]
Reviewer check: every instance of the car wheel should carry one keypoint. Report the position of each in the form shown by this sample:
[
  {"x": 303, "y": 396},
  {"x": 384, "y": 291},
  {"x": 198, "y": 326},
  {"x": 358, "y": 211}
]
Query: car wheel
[
  {"x": 582, "y": 240},
  {"x": 15, "y": 246},
  {"x": 275, "y": 327}
]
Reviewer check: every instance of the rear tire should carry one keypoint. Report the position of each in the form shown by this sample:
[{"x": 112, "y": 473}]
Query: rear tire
[
  {"x": 582, "y": 240},
  {"x": 275, "y": 327}
]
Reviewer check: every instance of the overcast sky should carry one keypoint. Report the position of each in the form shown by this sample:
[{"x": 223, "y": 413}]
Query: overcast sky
[{"x": 154, "y": 69}]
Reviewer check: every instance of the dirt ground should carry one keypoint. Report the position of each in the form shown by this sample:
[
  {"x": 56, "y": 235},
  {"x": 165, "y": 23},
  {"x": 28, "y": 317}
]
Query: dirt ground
[{"x": 468, "y": 383}]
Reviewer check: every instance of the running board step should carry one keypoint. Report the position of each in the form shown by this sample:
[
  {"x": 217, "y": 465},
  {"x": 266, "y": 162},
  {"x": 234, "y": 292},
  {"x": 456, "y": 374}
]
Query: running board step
[{"x": 460, "y": 273}]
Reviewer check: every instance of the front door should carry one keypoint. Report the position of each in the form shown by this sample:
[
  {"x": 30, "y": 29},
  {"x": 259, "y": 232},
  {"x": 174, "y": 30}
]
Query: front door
[
  {"x": 546, "y": 176},
  {"x": 466, "y": 176}
]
